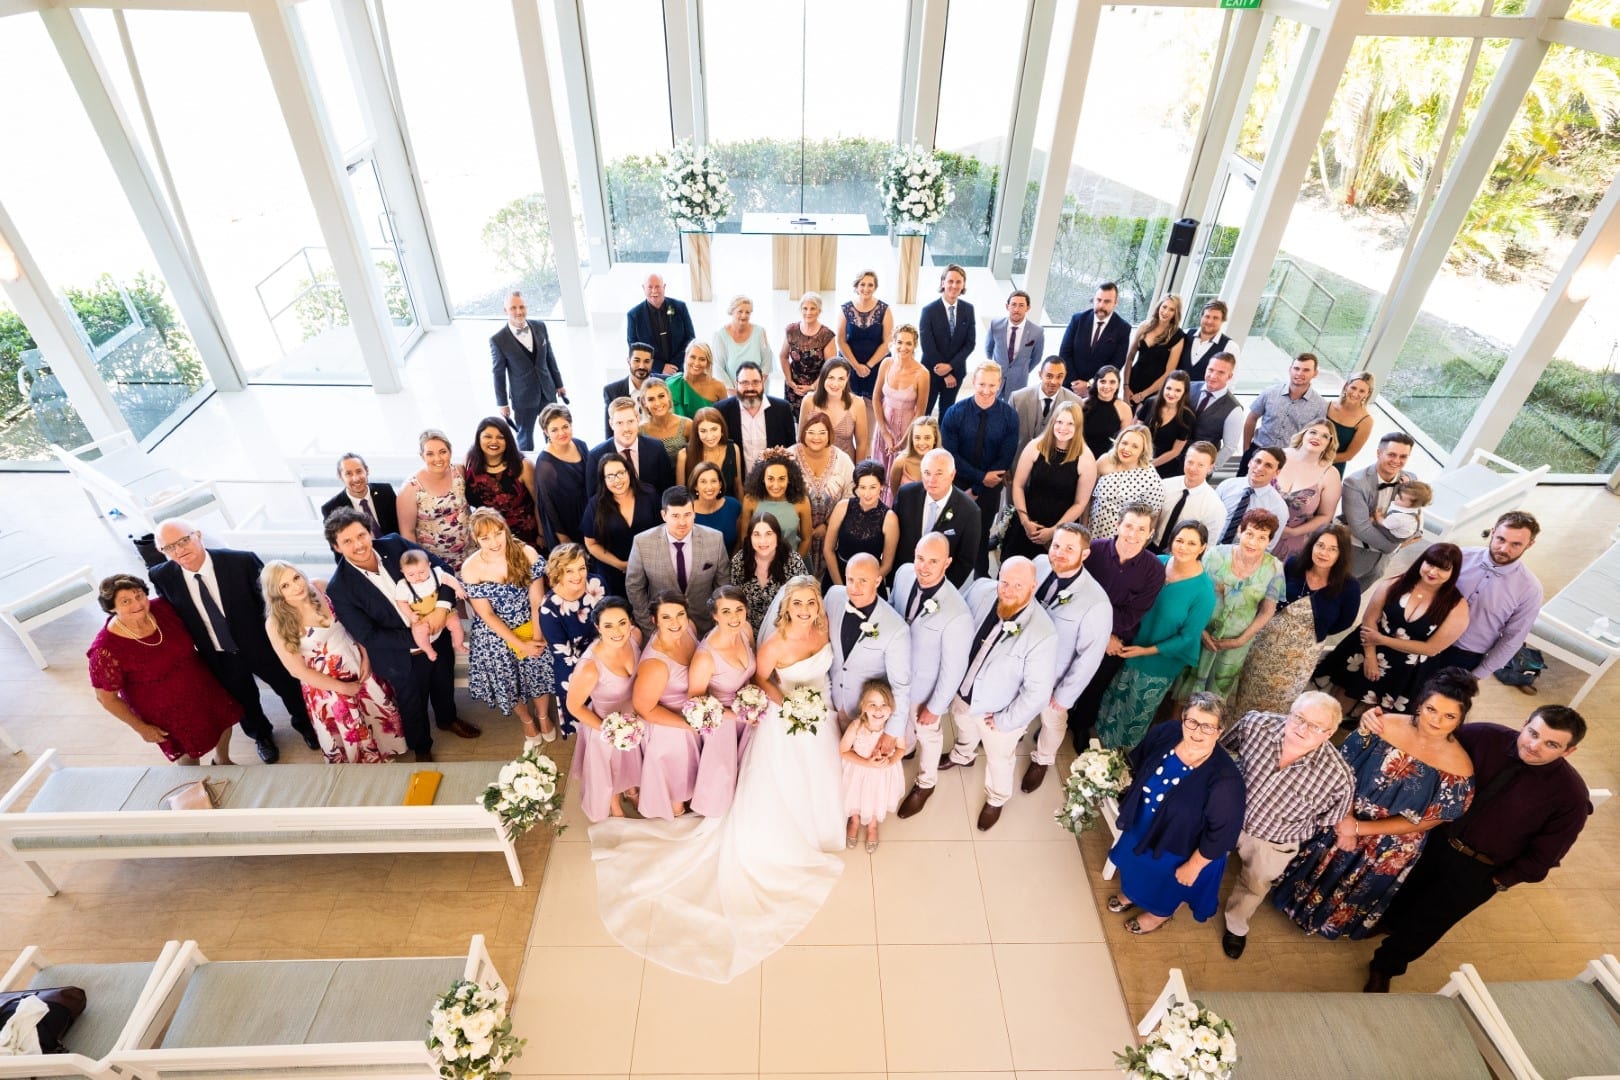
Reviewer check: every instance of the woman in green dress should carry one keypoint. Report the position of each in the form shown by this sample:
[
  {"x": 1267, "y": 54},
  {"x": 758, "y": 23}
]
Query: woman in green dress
[
  {"x": 1166, "y": 642},
  {"x": 696, "y": 387},
  {"x": 1249, "y": 585}
]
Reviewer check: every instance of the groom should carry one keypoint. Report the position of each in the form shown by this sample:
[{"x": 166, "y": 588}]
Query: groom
[{"x": 869, "y": 640}]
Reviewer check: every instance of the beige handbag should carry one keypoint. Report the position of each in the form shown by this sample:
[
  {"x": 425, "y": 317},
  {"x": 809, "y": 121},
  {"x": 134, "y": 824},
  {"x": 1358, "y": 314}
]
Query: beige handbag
[{"x": 193, "y": 795}]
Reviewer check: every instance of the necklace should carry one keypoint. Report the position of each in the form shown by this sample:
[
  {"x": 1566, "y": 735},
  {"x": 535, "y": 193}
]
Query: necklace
[{"x": 120, "y": 629}]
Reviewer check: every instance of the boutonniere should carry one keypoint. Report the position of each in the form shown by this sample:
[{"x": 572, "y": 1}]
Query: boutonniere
[
  {"x": 1010, "y": 628},
  {"x": 869, "y": 630},
  {"x": 1066, "y": 596},
  {"x": 669, "y": 309},
  {"x": 948, "y": 515},
  {"x": 930, "y": 606}
]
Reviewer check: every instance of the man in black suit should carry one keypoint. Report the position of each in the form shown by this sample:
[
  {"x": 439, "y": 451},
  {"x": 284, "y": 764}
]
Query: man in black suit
[
  {"x": 936, "y": 504},
  {"x": 362, "y": 594},
  {"x": 1095, "y": 339},
  {"x": 216, "y": 594},
  {"x": 376, "y": 502},
  {"x": 521, "y": 355},
  {"x": 664, "y": 323},
  {"x": 648, "y": 461},
  {"x": 640, "y": 362},
  {"x": 754, "y": 421},
  {"x": 946, "y": 335}
]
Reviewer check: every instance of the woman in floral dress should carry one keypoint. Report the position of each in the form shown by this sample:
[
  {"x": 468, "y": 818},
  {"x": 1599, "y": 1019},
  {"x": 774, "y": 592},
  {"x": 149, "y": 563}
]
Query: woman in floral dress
[
  {"x": 828, "y": 475},
  {"x": 433, "y": 504},
  {"x": 1125, "y": 475},
  {"x": 509, "y": 668},
  {"x": 565, "y": 618},
  {"x": 1249, "y": 585},
  {"x": 809, "y": 343}
]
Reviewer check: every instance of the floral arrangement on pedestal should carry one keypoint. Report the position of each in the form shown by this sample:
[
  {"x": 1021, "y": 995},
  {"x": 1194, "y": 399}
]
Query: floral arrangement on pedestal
[
  {"x": 528, "y": 791},
  {"x": 915, "y": 191},
  {"x": 470, "y": 1033},
  {"x": 1190, "y": 1043},
  {"x": 1095, "y": 775},
  {"x": 694, "y": 188}
]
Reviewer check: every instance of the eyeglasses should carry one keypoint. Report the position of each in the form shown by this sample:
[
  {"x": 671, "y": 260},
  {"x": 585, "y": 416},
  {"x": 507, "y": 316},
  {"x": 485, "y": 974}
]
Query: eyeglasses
[
  {"x": 179, "y": 545},
  {"x": 1303, "y": 724},
  {"x": 1199, "y": 726}
]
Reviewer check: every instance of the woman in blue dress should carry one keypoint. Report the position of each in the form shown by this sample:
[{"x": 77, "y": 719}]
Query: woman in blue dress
[
  {"x": 865, "y": 327},
  {"x": 716, "y": 509},
  {"x": 566, "y": 619},
  {"x": 1179, "y": 817},
  {"x": 509, "y": 666}
]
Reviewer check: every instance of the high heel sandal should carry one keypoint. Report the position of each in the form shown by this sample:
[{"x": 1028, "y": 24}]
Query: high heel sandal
[{"x": 1118, "y": 905}]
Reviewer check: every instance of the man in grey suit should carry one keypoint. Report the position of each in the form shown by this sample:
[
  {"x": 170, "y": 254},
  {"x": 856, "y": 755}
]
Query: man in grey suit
[
  {"x": 1370, "y": 489},
  {"x": 1012, "y": 668},
  {"x": 1034, "y": 404},
  {"x": 1083, "y": 617},
  {"x": 680, "y": 555},
  {"x": 520, "y": 354},
  {"x": 869, "y": 641},
  {"x": 940, "y": 626},
  {"x": 1016, "y": 343}
]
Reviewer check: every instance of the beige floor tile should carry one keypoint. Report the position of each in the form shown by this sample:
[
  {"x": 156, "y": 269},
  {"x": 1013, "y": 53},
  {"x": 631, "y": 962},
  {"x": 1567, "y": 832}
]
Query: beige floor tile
[
  {"x": 1035, "y": 891},
  {"x": 576, "y": 826},
  {"x": 378, "y": 919},
  {"x": 953, "y": 1076},
  {"x": 1568, "y": 914},
  {"x": 1070, "y": 1074},
  {"x": 564, "y": 1035},
  {"x": 442, "y": 870},
  {"x": 928, "y": 894},
  {"x": 924, "y": 1026},
  {"x": 826, "y": 1076},
  {"x": 941, "y": 819},
  {"x": 1062, "y": 1005},
  {"x": 567, "y": 913},
  {"x": 849, "y": 917},
  {"x": 687, "y": 1025},
  {"x": 1025, "y": 817},
  {"x": 821, "y": 1009},
  {"x": 448, "y": 920}
]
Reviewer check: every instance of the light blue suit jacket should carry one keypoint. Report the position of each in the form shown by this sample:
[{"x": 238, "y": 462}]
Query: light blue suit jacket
[
  {"x": 887, "y": 656},
  {"x": 1083, "y": 623},
  {"x": 1031, "y": 346},
  {"x": 939, "y": 642},
  {"x": 1015, "y": 681}
]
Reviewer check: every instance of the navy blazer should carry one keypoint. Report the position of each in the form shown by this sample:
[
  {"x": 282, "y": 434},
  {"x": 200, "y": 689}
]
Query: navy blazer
[
  {"x": 534, "y": 378},
  {"x": 371, "y": 618},
  {"x": 939, "y": 345},
  {"x": 1203, "y": 813},
  {"x": 237, "y": 574},
  {"x": 638, "y": 327},
  {"x": 657, "y": 471},
  {"x": 1081, "y": 359},
  {"x": 383, "y": 503},
  {"x": 959, "y": 523}
]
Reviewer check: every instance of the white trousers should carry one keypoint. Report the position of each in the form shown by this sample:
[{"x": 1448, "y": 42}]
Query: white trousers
[
  {"x": 1261, "y": 863},
  {"x": 1000, "y": 750},
  {"x": 1054, "y": 725},
  {"x": 930, "y": 745}
]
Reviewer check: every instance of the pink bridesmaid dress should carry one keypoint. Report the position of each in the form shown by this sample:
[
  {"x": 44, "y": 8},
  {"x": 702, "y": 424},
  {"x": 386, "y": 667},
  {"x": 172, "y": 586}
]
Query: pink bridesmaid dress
[
  {"x": 603, "y": 771},
  {"x": 669, "y": 755},
  {"x": 722, "y": 747},
  {"x": 871, "y": 794}
]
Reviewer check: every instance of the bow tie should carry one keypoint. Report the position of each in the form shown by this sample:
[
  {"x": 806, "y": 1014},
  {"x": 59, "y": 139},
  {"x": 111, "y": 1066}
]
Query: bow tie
[{"x": 1390, "y": 484}]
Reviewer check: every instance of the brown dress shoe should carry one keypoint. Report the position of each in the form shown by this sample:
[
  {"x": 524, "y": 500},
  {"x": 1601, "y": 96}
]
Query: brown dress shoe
[
  {"x": 988, "y": 817},
  {"x": 945, "y": 762},
  {"x": 465, "y": 729},
  {"x": 424, "y": 755},
  {"x": 1033, "y": 777},
  {"x": 915, "y": 800}
]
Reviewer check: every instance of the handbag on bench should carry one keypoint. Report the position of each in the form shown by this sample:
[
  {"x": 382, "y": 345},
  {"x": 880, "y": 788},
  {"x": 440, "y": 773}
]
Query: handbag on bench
[{"x": 193, "y": 795}]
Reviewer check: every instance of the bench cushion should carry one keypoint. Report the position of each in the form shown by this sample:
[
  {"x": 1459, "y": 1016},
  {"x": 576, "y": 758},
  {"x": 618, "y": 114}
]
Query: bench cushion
[
  {"x": 98, "y": 790},
  {"x": 38, "y": 577},
  {"x": 1567, "y": 1028},
  {"x": 382, "y": 1000},
  {"x": 95, "y": 841},
  {"x": 110, "y": 994}
]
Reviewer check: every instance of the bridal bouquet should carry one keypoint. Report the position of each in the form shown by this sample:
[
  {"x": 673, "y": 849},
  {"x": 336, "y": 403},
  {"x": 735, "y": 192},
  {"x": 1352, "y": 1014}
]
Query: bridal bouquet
[
  {"x": 751, "y": 704},
  {"x": 1190, "y": 1043},
  {"x": 803, "y": 710},
  {"x": 623, "y": 731},
  {"x": 915, "y": 191},
  {"x": 470, "y": 1034},
  {"x": 1095, "y": 775},
  {"x": 695, "y": 190},
  {"x": 527, "y": 792},
  {"x": 704, "y": 713}
]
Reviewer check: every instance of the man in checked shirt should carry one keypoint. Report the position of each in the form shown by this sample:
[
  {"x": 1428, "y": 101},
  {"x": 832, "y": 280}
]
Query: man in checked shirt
[{"x": 1297, "y": 785}]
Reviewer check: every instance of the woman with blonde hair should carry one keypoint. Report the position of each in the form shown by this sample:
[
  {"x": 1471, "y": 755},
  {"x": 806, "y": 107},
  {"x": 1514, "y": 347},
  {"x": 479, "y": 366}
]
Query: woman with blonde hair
[
  {"x": 510, "y": 665},
  {"x": 696, "y": 387},
  {"x": 739, "y": 340},
  {"x": 1052, "y": 483},
  {"x": 353, "y": 712},
  {"x": 663, "y": 422},
  {"x": 1154, "y": 352},
  {"x": 566, "y": 622},
  {"x": 433, "y": 503},
  {"x": 809, "y": 344},
  {"x": 1309, "y": 485},
  {"x": 1125, "y": 475},
  {"x": 1351, "y": 420},
  {"x": 906, "y": 467},
  {"x": 900, "y": 394}
]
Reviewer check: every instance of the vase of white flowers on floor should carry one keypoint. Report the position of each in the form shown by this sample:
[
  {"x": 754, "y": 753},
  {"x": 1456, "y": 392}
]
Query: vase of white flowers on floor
[
  {"x": 696, "y": 196},
  {"x": 1096, "y": 775},
  {"x": 527, "y": 792},
  {"x": 915, "y": 195},
  {"x": 470, "y": 1033},
  {"x": 1190, "y": 1043}
]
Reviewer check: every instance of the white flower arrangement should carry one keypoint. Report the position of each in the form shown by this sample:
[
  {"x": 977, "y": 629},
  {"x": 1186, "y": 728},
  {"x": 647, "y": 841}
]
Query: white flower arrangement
[
  {"x": 623, "y": 731},
  {"x": 751, "y": 705},
  {"x": 915, "y": 191},
  {"x": 1095, "y": 775},
  {"x": 1190, "y": 1043},
  {"x": 528, "y": 791},
  {"x": 695, "y": 190},
  {"x": 803, "y": 710},
  {"x": 703, "y": 713},
  {"x": 470, "y": 1033}
]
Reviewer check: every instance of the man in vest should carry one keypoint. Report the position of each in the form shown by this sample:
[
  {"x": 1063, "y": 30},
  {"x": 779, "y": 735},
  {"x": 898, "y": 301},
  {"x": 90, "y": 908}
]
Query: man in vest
[{"x": 1217, "y": 417}]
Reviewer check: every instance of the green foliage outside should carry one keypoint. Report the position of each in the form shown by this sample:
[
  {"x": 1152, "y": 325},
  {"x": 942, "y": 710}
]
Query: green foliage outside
[{"x": 320, "y": 305}]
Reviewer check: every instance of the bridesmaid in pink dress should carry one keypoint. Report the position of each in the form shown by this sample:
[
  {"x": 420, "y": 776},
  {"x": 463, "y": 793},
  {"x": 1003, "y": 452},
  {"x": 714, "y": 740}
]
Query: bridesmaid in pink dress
[
  {"x": 722, "y": 665},
  {"x": 900, "y": 394},
  {"x": 600, "y": 686},
  {"x": 669, "y": 754}
]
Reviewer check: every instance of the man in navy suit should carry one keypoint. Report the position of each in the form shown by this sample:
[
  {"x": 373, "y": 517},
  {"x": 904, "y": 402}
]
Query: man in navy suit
[
  {"x": 663, "y": 323},
  {"x": 521, "y": 355},
  {"x": 936, "y": 504},
  {"x": 1016, "y": 343},
  {"x": 946, "y": 336},
  {"x": 648, "y": 461},
  {"x": 1095, "y": 339},
  {"x": 362, "y": 594},
  {"x": 374, "y": 501}
]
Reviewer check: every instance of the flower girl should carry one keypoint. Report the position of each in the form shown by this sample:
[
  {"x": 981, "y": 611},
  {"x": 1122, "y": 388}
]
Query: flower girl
[{"x": 872, "y": 788}]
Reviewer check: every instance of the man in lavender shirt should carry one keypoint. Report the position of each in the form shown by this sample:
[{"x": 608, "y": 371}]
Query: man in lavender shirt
[{"x": 1503, "y": 597}]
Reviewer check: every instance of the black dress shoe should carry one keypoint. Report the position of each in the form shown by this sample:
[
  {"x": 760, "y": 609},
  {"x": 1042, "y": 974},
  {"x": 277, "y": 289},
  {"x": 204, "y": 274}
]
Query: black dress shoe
[
  {"x": 988, "y": 817},
  {"x": 310, "y": 740},
  {"x": 1232, "y": 944},
  {"x": 465, "y": 729},
  {"x": 424, "y": 755},
  {"x": 946, "y": 763},
  {"x": 1033, "y": 777},
  {"x": 915, "y": 800},
  {"x": 1377, "y": 982},
  {"x": 267, "y": 750}
]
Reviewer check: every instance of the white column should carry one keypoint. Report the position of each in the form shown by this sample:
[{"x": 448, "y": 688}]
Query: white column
[
  {"x": 1021, "y": 142},
  {"x": 683, "y": 52},
  {"x": 930, "y": 71},
  {"x": 328, "y": 183},
  {"x": 587, "y": 154},
  {"x": 910, "y": 65}
]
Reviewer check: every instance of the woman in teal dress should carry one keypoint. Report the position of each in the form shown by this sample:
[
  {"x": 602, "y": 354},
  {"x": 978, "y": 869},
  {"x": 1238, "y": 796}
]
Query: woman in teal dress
[
  {"x": 1166, "y": 642},
  {"x": 740, "y": 340},
  {"x": 1249, "y": 584},
  {"x": 775, "y": 485}
]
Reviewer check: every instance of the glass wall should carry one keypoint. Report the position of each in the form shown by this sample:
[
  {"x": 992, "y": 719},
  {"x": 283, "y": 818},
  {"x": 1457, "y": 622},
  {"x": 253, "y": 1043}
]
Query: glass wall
[
  {"x": 34, "y": 409},
  {"x": 629, "y": 69},
  {"x": 1040, "y": 152}
]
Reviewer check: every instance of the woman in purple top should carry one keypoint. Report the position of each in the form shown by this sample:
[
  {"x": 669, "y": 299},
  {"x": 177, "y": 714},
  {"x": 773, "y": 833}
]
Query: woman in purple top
[
  {"x": 601, "y": 686},
  {"x": 722, "y": 665},
  {"x": 669, "y": 754}
]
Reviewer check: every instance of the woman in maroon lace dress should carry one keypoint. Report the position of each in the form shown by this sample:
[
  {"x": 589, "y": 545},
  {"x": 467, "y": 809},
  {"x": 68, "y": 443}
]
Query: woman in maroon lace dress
[
  {"x": 147, "y": 673},
  {"x": 499, "y": 478}
]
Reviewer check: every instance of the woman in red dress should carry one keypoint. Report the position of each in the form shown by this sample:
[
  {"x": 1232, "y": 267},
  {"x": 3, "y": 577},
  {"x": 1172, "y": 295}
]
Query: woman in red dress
[{"x": 147, "y": 673}]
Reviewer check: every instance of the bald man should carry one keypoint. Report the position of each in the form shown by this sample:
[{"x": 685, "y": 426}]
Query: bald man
[
  {"x": 940, "y": 626},
  {"x": 869, "y": 640}
]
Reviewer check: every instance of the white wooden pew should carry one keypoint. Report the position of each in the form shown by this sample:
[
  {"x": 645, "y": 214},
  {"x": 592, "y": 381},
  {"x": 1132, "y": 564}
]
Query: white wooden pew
[
  {"x": 125, "y": 478},
  {"x": 1567, "y": 627}
]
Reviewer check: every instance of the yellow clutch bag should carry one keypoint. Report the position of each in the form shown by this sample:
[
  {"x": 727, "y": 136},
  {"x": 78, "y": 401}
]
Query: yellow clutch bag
[
  {"x": 424, "y": 785},
  {"x": 523, "y": 633}
]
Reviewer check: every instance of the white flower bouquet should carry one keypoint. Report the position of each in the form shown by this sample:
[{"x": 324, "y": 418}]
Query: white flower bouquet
[
  {"x": 1190, "y": 1043},
  {"x": 694, "y": 188},
  {"x": 623, "y": 731},
  {"x": 1095, "y": 775},
  {"x": 915, "y": 191},
  {"x": 751, "y": 704},
  {"x": 803, "y": 710},
  {"x": 527, "y": 792},
  {"x": 704, "y": 713},
  {"x": 470, "y": 1034}
]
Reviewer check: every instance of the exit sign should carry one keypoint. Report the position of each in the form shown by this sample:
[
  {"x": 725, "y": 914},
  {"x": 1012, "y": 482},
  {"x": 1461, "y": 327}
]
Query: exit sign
[{"x": 1239, "y": 4}]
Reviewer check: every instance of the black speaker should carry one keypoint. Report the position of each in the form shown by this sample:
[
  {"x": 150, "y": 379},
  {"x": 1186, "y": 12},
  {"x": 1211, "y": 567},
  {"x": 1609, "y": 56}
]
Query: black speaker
[{"x": 1181, "y": 237}]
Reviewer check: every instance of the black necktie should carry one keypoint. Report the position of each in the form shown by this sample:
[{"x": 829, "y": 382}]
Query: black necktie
[
  {"x": 1203, "y": 403},
  {"x": 680, "y": 564},
  {"x": 1175, "y": 515},
  {"x": 371, "y": 518},
  {"x": 1393, "y": 483},
  {"x": 1012, "y": 341},
  {"x": 1046, "y": 410},
  {"x": 1230, "y": 532},
  {"x": 1049, "y": 588},
  {"x": 216, "y": 617},
  {"x": 851, "y": 630}
]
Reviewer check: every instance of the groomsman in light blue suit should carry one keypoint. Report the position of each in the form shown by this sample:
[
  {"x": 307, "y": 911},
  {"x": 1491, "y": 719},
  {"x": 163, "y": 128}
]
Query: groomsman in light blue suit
[
  {"x": 869, "y": 641},
  {"x": 1083, "y": 617},
  {"x": 1017, "y": 343},
  {"x": 1012, "y": 668},
  {"x": 941, "y": 627}
]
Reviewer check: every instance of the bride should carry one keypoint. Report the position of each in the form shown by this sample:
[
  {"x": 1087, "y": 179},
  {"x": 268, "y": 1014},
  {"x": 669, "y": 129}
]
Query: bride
[{"x": 721, "y": 894}]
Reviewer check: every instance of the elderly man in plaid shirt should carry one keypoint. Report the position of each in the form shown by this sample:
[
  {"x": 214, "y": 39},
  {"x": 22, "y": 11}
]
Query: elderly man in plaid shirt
[{"x": 1297, "y": 785}]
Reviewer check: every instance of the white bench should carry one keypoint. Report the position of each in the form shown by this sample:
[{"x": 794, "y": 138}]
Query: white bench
[
  {"x": 1565, "y": 627},
  {"x": 125, "y": 478},
  {"x": 1585, "y": 1040},
  {"x": 1469, "y": 499},
  {"x": 37, "y": 588},
  {"x": 111, "y": 813}
]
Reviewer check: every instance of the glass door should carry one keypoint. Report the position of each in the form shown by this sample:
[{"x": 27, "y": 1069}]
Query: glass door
[{"x": 383, "y": 242}]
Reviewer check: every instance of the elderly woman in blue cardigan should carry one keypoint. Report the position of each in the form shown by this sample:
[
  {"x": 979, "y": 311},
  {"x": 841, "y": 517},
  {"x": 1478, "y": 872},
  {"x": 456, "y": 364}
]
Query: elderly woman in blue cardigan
[{"x": 1178, "y": 819}]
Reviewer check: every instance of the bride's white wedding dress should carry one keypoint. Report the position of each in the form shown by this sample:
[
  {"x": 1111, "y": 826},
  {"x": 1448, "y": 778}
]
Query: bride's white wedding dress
[{"x": 722, "y": 894}]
